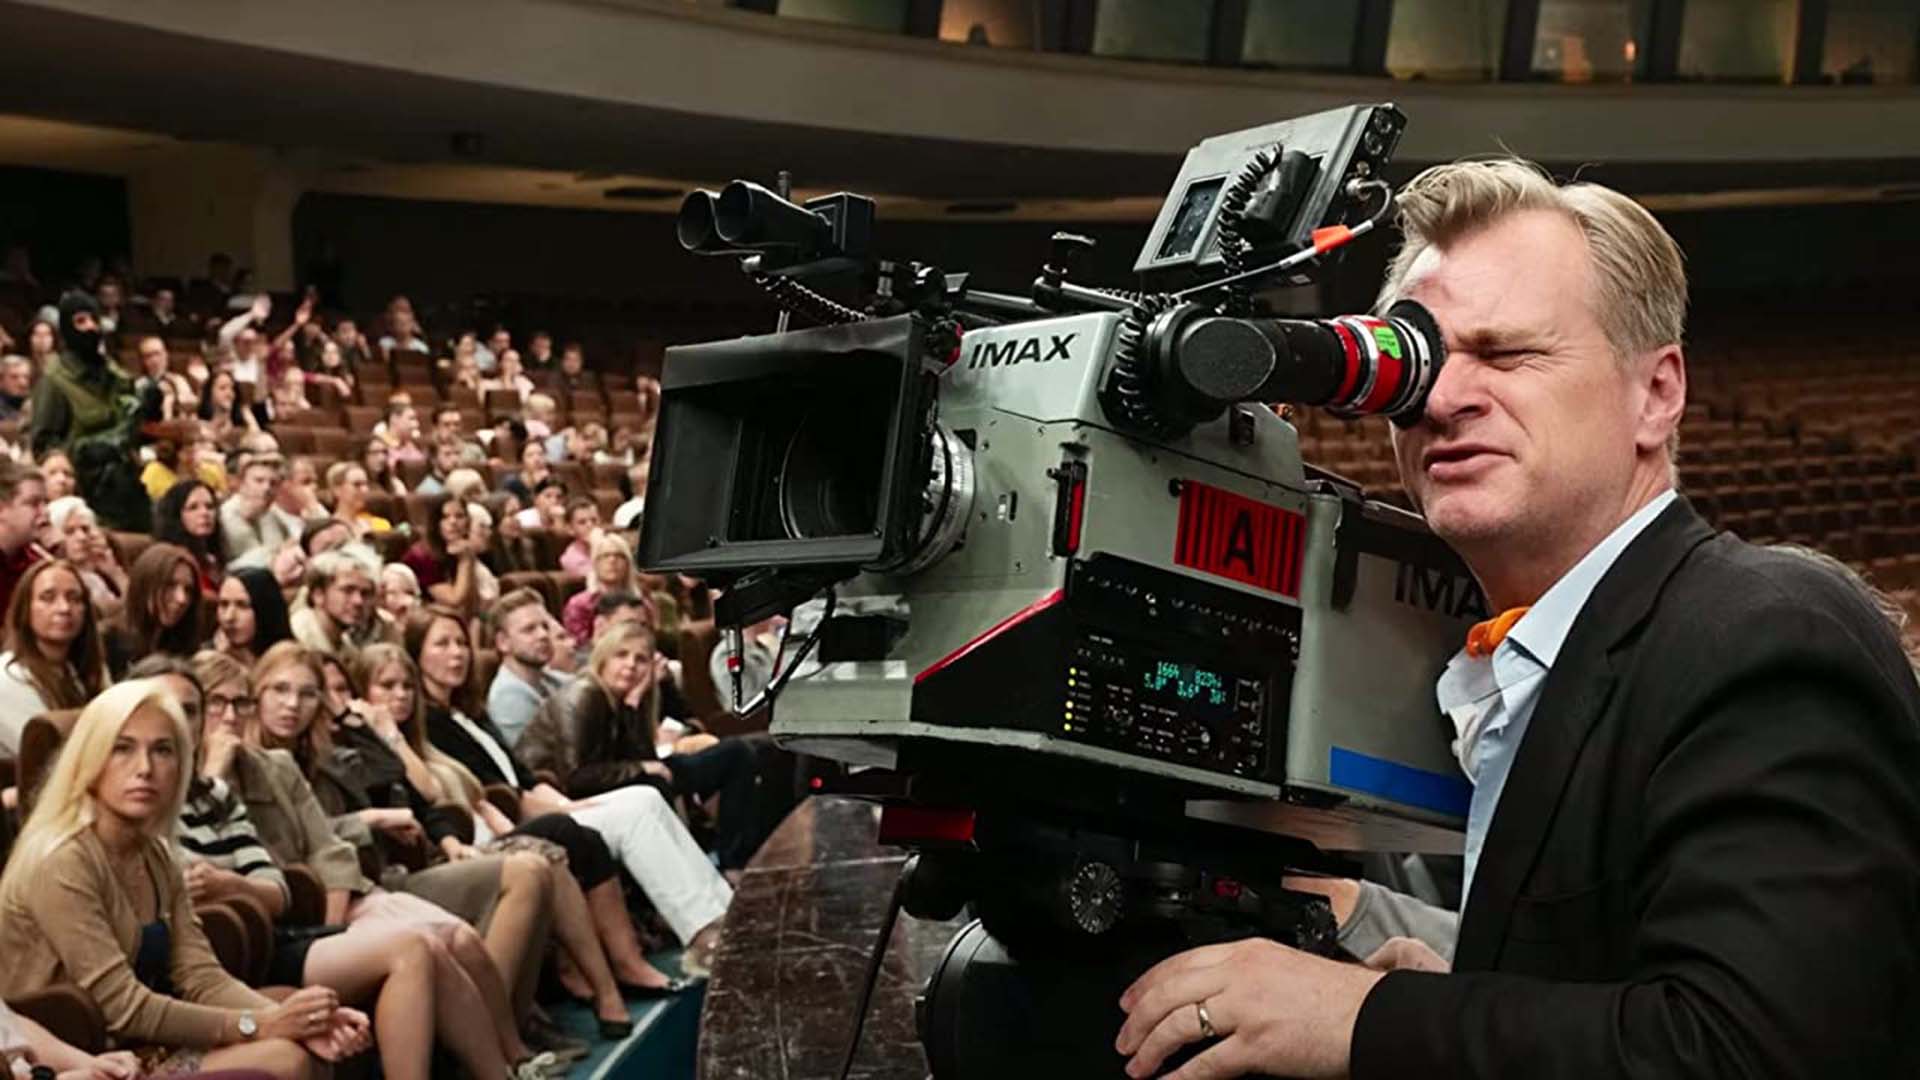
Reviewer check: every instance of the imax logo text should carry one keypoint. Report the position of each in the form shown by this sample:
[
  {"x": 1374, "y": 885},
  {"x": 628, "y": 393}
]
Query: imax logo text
[{"x": 1015, "y": 350}]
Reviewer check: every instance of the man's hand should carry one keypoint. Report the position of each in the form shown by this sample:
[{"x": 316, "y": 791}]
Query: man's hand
[
  {"x": 1275, "y": 1010},
  {"x": 1407, "y": 954}
]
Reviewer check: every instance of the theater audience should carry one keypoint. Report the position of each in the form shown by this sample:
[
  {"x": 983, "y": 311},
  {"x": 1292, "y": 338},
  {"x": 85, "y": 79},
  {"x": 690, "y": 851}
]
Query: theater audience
[
  {"x": 291, "y": 825},
  {"x": 637, "y": 822},
  {"x": 186, "y": 516},
  {"x": 611, "y": 569},
  {"x": 93, "y": 897},
  {"x": 250, "y": 529},
  {"x": 441, "y": 464},
  {"x": 603, "y": 730},
  {"x": 226, "y": 415},
  {"x": 445, "y": 559},
  {"x": 508, "y": 897},
  {"x": 399, "y": 593},
  {"x": 56, "y": 468},
  {"x": 250, "y": 611},
  {"x": 338, "y": 617},
  {"x": 54, "y": 657},
  {"x": 77, "y": 538},
  {"x": 391, "y": 682},
  {"x": 583, "y": 524},
  {"x": 376, "y": 458},
  {"x": 349, "y": 485},
  {"x": 163, "y": 609}
]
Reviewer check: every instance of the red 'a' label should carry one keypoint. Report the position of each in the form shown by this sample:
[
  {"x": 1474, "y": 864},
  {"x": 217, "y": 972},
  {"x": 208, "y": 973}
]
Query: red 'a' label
[{"x": 1240, "y": 539}]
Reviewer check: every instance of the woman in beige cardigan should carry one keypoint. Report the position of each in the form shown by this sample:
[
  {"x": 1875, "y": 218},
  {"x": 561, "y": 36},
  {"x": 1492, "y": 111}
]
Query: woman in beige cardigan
[{"x": 93, "y": 897}]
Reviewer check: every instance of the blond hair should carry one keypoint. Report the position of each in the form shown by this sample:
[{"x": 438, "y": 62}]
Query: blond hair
[
  {"x": 66, "y": 804},
  {"x": 1639, "y": 275}
]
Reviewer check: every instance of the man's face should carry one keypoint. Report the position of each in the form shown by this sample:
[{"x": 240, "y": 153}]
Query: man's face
[
  {"x": 153, "y": 357},
  {"x": 163, "y": 302},
  {"x": 23, "y": 516},
  {"x": 345, "y": 332},
  {"x": 346, "y": 598},
  {"x": 622, "y": 614},
  {"x": 259, "y": 484},
  {"x": 500, "y": 342},
  {"x": 1530, "y": 431},
  {"x": 523, "y": 636},
  {"x": 533, "y": 456},
  {"x": 447, "y": 423},
  {"x": 16, "y": 379},
  {"x": 552, "y": 504},
  {"x": 110, "y": 294},
  {"x": 571, "y": 361},
  {"x": 243, "y": 343},
  {"x": 446, "y": 458},
  {"x": 404, "y": 424}
]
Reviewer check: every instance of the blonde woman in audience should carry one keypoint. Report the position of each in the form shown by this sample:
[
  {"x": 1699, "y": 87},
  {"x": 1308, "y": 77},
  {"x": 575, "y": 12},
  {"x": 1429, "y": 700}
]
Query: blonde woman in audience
[
  {"x": 285, "y": 687},
  {"x": 347, "y": 482},
  {"x": 92, "y": 897},
  {"x": 54, "y": 658},
  {"x": 543, "y": 413},
  {"x": 78, "y": 538},
  {"x": 611, "y": 570},
  {"x": 290, "y": 392},
  {"x": 399, "y": 592}
]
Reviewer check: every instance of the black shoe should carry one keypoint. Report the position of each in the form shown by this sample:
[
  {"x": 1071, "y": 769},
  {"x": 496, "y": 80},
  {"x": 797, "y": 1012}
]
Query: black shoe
[{"x": 649, "y": 993}]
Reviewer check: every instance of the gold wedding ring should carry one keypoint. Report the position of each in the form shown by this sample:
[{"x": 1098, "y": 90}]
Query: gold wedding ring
[{"x": 1206, "y": 1022}]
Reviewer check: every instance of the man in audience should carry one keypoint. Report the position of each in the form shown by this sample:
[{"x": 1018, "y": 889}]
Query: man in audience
[
  {"x": 246, "y": 334},
  {"x": 402, "y": 433},
  {"x": 161, "y": 312},
  {"x": 253, "y": 532},
  {"x": 574, "y": 376},
  {"x": 532, "y": 473},
  {"x": 85, "y": 406},
  {"x": 540, "y": 351},
  {"x": 111, "y": 295},
  {"x": 448, "y": 423},
  {"x": 523, "y": 683},
  {"x": 16, "y": 385},
  {"x": 583, "y": 521},
  {"x": 446, "y": 458},
  {"x": 351, "y": 343},
  {"x": 23, "y": 516},
  {"x": 339, "y": 617}
]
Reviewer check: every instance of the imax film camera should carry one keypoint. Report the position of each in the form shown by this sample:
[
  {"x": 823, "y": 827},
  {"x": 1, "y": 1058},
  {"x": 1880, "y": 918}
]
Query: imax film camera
[{"x": 1109, "y": 654}]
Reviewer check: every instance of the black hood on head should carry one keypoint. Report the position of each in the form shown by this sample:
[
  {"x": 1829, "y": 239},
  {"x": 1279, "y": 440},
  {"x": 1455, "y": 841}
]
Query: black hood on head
[{"x": 83, "y": 344}]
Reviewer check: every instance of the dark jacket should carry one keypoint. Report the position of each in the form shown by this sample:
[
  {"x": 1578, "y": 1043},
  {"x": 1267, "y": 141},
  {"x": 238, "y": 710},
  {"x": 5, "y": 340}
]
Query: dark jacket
[
  {"x": 1706, "y": 860},
  {"x": 451, "y": 739},
  {"x": 89, "y": 409}
]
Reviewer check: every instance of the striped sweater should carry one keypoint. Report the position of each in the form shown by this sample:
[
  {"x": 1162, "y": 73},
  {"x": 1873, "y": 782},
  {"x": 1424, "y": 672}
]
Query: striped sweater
[{"x": 214, "y": 828}]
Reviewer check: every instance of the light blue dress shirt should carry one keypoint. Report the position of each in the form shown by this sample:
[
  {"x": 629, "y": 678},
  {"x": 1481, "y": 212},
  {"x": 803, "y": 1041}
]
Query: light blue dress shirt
[{"x": 1495, "y": 697}]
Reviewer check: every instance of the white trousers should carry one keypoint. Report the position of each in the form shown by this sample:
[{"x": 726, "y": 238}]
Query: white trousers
[{"x": 647, "y": 837}]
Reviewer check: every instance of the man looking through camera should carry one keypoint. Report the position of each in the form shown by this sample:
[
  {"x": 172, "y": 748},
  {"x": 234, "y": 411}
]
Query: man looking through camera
[{"x": 1694, "y": 842}]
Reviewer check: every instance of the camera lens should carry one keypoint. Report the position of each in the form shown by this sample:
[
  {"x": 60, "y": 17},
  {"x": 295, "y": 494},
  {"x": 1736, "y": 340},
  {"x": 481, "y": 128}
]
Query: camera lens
[
  {"x": 695, "y": 226},
  {"x": 830, "y": 482}
]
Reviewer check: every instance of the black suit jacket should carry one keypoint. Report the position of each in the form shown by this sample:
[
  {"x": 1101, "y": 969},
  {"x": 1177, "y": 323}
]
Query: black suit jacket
[{"x": 1706, "y": 859}]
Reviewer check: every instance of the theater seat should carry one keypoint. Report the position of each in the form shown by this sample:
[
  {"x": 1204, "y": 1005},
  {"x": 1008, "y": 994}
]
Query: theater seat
[
  {"x": 68, "y": 1013},
  {"x": 40, "y": 742}
]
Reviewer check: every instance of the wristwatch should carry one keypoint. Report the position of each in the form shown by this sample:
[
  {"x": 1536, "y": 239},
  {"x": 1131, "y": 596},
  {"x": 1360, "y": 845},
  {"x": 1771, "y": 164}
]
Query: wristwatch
[{"x": 248, "y": 1026}]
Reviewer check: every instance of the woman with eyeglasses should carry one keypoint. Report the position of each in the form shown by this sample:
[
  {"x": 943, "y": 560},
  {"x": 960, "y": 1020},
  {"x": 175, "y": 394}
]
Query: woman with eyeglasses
[
  {"x": 636, "y": 821},
  {"x": 509, "y": 896},
  {"x": 92, "y": 896},
  {"x": 54, "y": 659},
  {"x": 417, "y": 991}
]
